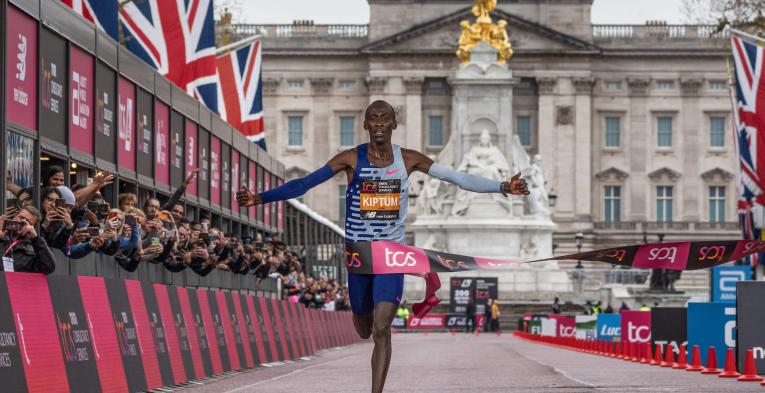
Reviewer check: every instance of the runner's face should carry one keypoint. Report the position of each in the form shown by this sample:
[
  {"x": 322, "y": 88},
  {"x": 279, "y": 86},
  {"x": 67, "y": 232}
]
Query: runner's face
[{"x": 380, "y": 123}]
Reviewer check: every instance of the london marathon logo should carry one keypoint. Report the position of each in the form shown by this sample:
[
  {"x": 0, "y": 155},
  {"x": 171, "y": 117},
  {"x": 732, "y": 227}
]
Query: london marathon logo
[
  {"x": 74, "y": 338},
  {"x": 80, "y": 107},
  {"x": 52, "y": 90},
  {"x": 19, "y": 95}
]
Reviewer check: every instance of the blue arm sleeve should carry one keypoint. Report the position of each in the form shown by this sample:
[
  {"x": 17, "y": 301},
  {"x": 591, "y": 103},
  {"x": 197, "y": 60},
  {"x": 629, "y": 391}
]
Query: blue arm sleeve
[
  {"x": 464, "y": 180},
  {"x": 297, "y": 187}
]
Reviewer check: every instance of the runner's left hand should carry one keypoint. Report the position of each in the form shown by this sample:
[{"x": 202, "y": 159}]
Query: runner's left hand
[{"x": 516, "y": 186}]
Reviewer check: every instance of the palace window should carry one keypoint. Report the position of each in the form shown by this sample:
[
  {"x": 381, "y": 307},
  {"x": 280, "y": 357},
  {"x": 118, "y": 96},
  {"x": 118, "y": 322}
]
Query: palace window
[
  {"x": 717, "y": 204},
  {"x": 664, "y": 131},
  {"x": 665, "y": 85},
  {"x": 613, "y": 131},
  {"x": 346, "y": 84},
  {"x": 295, "y": 84},
  {"x": 717, "y": 131},
  {"x": 347, "y": 131},
  {"x": 613, "y": 203},
  {"x": 523, "y": 128},
  {"x": 664, "y": 203},
  {"x": 435, "y": 130},
  {"x": 295, "y": 130},
  {"x": 717, "y": 85},
  {"x": 612, "y": 85}
]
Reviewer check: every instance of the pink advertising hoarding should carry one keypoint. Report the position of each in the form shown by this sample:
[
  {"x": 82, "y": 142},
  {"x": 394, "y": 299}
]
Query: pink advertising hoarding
[
  {"x": 161, "y": 142},
  {"x": 126, "y": 124},
  {"x": 81, "y": 100},
  {"x": 253, "y": 211},
  {"x": 235, "y": 182},
  {"x": 636, "y": 326},
  {"x": 21, "y": 71},
  {"x": 192, "y": 158},
  {"x": 215, "y": 170},
  {"x": 266, "y": 208}
]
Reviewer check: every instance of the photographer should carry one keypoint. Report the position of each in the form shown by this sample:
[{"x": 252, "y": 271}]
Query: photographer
[
  {"x": 56, "y": 226},
  {"x": 23, "y": 249}
]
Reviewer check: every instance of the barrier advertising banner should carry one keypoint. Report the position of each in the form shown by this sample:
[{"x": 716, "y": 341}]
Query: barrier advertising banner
[
  {"x": 566, "y": 327},
  {"x": 53, "y": 68},
  {"x": 461, "y": 291},
  {"x": 712, "y": 324},
  {"x": 126, "y": 138},
  {"x": 669, "y": 328},
  {"x": 81, "y": 100},
  {"x": 585, "y": 326},
  {"x": 609, "y": 327},
  {"x": 430, "y": 321},
  {"x": 21, "y": 73},
  {"x": 724, "y": 279},
  {"x": 636, "y": 326},
  {"x": 535, "y": 326},
  {"x": 750, "y": 320},
  {"x": 549, "y": 326}
]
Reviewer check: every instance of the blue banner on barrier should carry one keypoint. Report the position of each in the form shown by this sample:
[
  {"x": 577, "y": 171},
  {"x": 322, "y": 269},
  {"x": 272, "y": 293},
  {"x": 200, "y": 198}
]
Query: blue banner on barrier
[
  {"x": 724, "y": 279},
  {"x": 609, "y": 326},
  {"x": 712, "y": 324}
]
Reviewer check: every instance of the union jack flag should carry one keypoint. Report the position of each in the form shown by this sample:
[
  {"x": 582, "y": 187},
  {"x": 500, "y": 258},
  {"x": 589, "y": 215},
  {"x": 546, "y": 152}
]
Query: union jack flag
[
  {"x": 102, "y": 13},
  {"x": 242, "y": 91},
  {"x": 177, "y": 38},
  {"x": 749, "y": 117}
]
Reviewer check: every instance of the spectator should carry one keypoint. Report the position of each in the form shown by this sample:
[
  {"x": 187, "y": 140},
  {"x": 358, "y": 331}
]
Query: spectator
[
  {"x": 495, "y": 315},
  {"x": 24, "y": 249},
  {"x": 556, "y": 306},
  {"x": 127, "y": 201},
  {"x": 469, "y": 317},
  {"x": 609, "y": 309},
  {"x": 624, "y": 307}
]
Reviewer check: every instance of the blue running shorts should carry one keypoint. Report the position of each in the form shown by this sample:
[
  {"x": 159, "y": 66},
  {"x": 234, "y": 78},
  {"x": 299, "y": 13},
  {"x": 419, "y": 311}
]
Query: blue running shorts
[{"x": 366, "y": 290}]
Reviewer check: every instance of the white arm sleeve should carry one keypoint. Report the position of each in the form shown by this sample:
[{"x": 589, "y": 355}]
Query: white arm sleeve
[{"x": 464, "y": 180}]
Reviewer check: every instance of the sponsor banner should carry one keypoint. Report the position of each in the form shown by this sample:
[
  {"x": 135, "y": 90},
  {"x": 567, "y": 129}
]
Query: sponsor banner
[
  {"x": 636, "y": 326},
  {"x": 669, "y": 328},
  {"x": 188, "y": 347},
  {"x": 398, "y": 323},
  {"x": 225, "y": 176},
  {"x": 235, "y": 350},
  {"x": 609, "y": 327},
  {"x": 52, "y": 87},
  {"x": 215, "y": 172},
  {"x": 485, "y": 288},
  {"x": 21, "y": 71},
  {"x": 215, "y": 332},
  {"x": 289, "y": 329},
  {"x": 535, "y": 326},
  {"x": 144, "y": 133},
  {"x": 549, "y": 326},
  {"x": 177, "y": 141},
  {"x": 297, "y": 334},
  {"x": 127, "y": 335},
  {"x": 712, "y": 324},
  {"x": 192, "y": 154},
  {"x": 277, "y": 318},
  {"x": 430, "y": 321},
  {"x": 12, "y": 361},
  {"x": 126, "y": 138},
  {"x": 37, "y": 332},
  {"x": 461, "y": 292},
  {"x": 266, "y": 208},
  {"x": 586, "y": 326},
  {"x": 103, "y": 334},
  {"x": 197, "y": 330},
  {"x": 203, "y": 178},
  {"x": 565, "y": 326},
  {"x": 241, "y": 330},
  {"x": 251, "y": 179},
  {"x": 145, "y": 334},
  {"x": 74, "y": 334},
  {"x": 453, "y": 321},
  {"x": 265, "y": 316},
  {"x": 207, "y": 325},
  {"x": 235, "y": 181},
  {"x": 255, "y": 324},
  {"x": 80, "y": 100},
  {"x": 750, "y": 319},
  {"x": 161, "y": 142},
  {"x": 382, "y": 257},
  {"x": 171, "y": 332},
  {"x": 158, "y": 334},
  {"x": 724, "y": 279},
  {"x": 105, "y": 113}
]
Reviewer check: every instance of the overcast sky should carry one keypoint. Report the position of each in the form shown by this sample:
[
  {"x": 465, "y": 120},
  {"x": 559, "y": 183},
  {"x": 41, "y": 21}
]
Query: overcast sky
[{"x": 357, "y": 11}]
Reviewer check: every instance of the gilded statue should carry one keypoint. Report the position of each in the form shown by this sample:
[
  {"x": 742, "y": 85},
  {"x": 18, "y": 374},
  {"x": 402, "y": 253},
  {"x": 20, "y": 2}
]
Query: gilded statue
[{"x": 484, "y": 30}]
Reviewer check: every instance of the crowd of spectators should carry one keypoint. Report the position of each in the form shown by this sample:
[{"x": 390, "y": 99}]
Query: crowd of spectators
[{"x": 79, "y": 222}]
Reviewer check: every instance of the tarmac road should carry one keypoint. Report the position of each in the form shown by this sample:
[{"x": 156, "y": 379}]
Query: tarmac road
[{"x": 440, "y": 362}]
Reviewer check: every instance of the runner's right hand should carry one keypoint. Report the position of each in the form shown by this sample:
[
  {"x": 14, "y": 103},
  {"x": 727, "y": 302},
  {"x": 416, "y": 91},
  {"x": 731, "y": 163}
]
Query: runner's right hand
[{"x": 246, "y": 198}]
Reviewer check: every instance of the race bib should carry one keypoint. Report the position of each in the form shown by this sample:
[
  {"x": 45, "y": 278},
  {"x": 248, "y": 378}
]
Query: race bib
[
  {"x": 380, "y": 199},
  {"x": 8, "y": 264}
]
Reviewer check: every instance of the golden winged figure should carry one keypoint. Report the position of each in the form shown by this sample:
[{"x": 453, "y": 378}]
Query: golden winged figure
[
  {"x": 482, "y": 8},
  {"x": 484, "y": 30}
]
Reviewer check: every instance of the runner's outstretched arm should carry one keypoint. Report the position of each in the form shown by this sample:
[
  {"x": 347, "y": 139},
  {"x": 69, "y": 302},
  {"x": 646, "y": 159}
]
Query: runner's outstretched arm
[
  {"x": 297, "y": 187},
  {"x": 417, "y": 161}
]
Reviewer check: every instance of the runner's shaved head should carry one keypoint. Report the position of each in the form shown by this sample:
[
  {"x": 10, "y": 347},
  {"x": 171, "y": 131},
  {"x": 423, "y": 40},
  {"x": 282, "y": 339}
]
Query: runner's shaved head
[{"x": 381, "y": 104}]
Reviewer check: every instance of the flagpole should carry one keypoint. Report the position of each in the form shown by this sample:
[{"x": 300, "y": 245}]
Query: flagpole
[{"x": 237, "y": 44}]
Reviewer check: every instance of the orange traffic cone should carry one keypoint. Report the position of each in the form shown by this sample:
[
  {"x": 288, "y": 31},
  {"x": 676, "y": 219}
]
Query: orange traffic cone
[
  {"x": 613, "y": 351},
  {"x": 392, "y": 331},
  {"x": 682, "y": 359},
  {"x": 453, "y": 332},
  {"x": 499, "y": 332},
  {"x": 657, "y": 356},
  {"x": 645, "y": 356},
  {"x": 750, "y": 369},
  {"x": 648, "y": 354},
  {"x": 425, "y": 332},
  {"x": 711, "y": 362},
  {"x": 619, "y": 350},
  {"x": 669, "y": 357},
  {"x": 695, "y": 360},
  {"x": 730, "y": 366},
  {"x": 636, "y": 352}
]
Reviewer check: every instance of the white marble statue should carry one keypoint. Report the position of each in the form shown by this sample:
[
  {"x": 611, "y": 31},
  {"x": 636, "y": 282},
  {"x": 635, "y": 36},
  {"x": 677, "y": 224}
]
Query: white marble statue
[
  {"x": 537, "y": 198},
  {"x": 485, "y": 160}
]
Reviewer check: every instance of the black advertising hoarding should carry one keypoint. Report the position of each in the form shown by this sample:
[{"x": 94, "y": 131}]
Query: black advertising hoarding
[
  {"x": 176, "y": 148},
  {"x": 204, "y": 164},
  {"x": 461, "y": 291},
  {"x": 485, "y": 289},
  {"x": 105, "y": 109},
  {"x": 259, "y": 185},
  {"x": 220, "y": 334},
  {"x": 127, "y": 337},
  {"x": 225, "y": 195},
  {"x": 243, "y": 177},
  {"x": 144, "y": 133},
  {"x": 669, "y": 326},
  {"x": 750, "y": 319},
  {"x": 74, "y": 334},
  {"x": 199, "y": 330},
  {"x": 158, "y": 334},
  {"x": 53, "y": 75},
  {"x": 11, "y": 363}
]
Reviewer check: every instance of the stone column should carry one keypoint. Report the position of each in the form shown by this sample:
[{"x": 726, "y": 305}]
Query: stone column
[
  {"x": 640, "y": 143},
  {"x": 583, "y": 149},
  {"x": 693, "y": 144},
  {"x": 414, "y": 131},
  {"x": 546, "y": 129},
  {"x": 321, "y": 112}
]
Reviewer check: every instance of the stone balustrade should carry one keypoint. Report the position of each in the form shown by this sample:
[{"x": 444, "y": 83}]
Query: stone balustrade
[
  {"x": 650, "y": 226},
  {"x": 656, "y": 31},
  {"x": 301, "y": 30}
]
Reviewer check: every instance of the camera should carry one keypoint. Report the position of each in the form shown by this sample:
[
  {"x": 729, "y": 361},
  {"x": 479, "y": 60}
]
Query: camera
[
  {"x": 13, "y": 225},
  {"x": 98, "y": 208},
  {"x": 130, "y": 220},
  {"x": 94, "y": 231},
  {"x": 60, "y": 202},
  {"x": 12, "y": 203}
]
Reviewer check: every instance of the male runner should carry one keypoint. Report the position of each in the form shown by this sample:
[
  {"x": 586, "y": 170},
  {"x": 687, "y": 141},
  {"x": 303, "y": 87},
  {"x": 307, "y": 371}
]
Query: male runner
[{"x": 376, "y": 203}]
